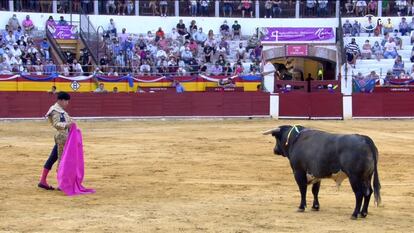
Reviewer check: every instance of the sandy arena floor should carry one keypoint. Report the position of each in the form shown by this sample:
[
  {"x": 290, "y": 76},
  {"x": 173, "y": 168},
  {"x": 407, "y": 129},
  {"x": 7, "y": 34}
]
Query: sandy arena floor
[{"x": 195, "y": 176}]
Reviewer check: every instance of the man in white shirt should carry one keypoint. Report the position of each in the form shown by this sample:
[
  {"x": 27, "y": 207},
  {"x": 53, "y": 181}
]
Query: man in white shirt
[
  {"x": 200, "y": 37},
  {"x": 77, "y": 68},
  {"x": 112, "y": 28},
  {"x": 16, "y": 51}
]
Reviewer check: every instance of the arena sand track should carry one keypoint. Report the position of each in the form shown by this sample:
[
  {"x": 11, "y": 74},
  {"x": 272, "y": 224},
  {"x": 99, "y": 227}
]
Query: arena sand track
[{"x": 195, "y": 176}]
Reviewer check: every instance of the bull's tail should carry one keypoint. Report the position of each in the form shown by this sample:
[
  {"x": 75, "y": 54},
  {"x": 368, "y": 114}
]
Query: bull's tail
[{"x": 376, "y": 182}]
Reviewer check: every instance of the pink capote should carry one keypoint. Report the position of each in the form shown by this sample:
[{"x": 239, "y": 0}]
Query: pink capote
[{"x": 71, "y": 168}]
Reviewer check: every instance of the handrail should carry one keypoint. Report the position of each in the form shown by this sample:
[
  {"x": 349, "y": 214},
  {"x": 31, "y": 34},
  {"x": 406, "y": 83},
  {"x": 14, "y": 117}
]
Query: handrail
[
  {"x": 89, "y": 36},
  {"x": 55, "y": 45}
]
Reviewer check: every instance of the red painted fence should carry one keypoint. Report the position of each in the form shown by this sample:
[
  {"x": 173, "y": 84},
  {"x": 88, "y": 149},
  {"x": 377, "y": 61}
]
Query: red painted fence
[
  {"x": 311, "y": 105},
  {"x": 36, "y": 104},
  {"x": 383, "y": 104}
]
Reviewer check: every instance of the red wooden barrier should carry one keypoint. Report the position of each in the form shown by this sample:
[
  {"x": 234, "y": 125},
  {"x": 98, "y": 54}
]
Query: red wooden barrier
[
  {"x": 35, "y": 104},
  {"x": 383, "y": 104},
  {"x": 309, "y": 105}
]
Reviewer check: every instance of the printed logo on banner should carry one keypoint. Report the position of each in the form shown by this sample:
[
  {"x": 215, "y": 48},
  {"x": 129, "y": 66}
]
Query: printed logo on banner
[{"x": 75, "y": 85}]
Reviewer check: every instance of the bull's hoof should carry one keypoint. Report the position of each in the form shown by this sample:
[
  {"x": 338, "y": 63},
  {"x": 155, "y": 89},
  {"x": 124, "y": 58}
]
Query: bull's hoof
[
  {"x": 363, "y": 214},
  {"x": 300, "y": 210},
  {"x": 315, "y": 208},
  {"x": 353, "y": 217}
]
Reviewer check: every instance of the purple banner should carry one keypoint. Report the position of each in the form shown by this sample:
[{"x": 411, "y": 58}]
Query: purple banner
[
  {"x": 299, "y": 34},
  {"x": 68, "y": 32}
]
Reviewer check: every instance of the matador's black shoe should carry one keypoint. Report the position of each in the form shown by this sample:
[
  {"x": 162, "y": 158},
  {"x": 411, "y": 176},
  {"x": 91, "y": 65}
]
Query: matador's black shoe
[{"x": 47, "y": 187}]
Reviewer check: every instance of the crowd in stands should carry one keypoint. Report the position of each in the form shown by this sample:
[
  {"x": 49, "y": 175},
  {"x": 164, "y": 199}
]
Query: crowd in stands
[
  {"x": 389, "y": 45},
  {"x": 183, "y": 50},
  {"x": 20, "y": 51},
  {"x": 227, "y": 8}
]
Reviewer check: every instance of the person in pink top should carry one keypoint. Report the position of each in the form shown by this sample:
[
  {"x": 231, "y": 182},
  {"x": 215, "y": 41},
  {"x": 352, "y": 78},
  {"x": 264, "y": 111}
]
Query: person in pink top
[{"x": 28, "y": 25}]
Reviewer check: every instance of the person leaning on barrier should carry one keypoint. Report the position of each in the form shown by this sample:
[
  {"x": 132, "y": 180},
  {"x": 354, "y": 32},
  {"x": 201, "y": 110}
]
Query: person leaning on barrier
[{"x": 100, "y": 89}]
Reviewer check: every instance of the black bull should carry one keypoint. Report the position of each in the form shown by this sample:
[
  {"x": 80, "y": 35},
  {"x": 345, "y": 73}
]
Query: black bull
[{"x": 315, "y": 154}]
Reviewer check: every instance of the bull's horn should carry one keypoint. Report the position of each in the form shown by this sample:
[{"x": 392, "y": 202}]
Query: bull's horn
[{"x": 271, "y": 131}]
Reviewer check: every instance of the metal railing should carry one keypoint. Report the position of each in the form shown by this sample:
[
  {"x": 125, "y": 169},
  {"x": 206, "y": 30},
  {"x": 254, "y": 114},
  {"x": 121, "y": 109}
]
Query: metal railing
[
  {"x": 55, "y": 46},
  {"x": 89, "y": 36}
]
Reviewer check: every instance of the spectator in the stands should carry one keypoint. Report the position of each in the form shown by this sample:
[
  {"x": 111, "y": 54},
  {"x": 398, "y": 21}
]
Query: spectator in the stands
[
  {"x": 10, "y": 39},
  {"x": 145, "y": 68},
  {"x": 225, "y": 29},
  {"x": 236, "y": 30},
  {"x": 268, "y": 8},
  {"x": 100, "y": 88},
  {"x": 352, "y": 52},
  {"x": 378, "y": 28},
  {"x": 221, "y": 61},
  {"x": 50, "y": 67},
  {"x": 241, "y": 52},
  {"x": 193, "y": 27},
  {"x": 77, "y": 68},
  {"x": 18, "y": 34},
  {"x": 13, "y": 23},
  {"x": 349, "y": 6},
  {"x": 123, "y": 36},
  {"x": 356, "y": 29},
  {"x": 372, "y": 7},
  {"x": 403, "y": 26},
  {"x": 227, "y": 70},
  {"x": 346, "y": 27},
  {"x": 277, "y": 8},
  {"x": 50, "y": 22},
  {"x": 154, "y": 7},
  {"x": 62, "y": 21},
  {"x": 227, "y": 8},
  {"x": 252, "y": 42},
  {"x": 390, "y": 49},
  {"x": 221, "y": 51},
  {"x": 247, "y": 6},
  {"x": 15, "y": 50},
  {"x": 181, "y": 27},
  {"x": 397, "y": 40},
  {"x": 110, "y": 7},
  {"x": 193, "y": 7},
  {"x": 208, "y": 53},
  {"x": 204, "y": 4},
  {"x": 401, "y": 6},
  {"x": 44, "y": 48},
  {"x": 28, "y": 24},
  {"x": 111, "y": 29},
  {"x": 398, "y": 66},
  {"x": 361, "y": 8},
  {"x": 179, "y": 88},
  {"x": 366, "y": 51},
  {"x": 163, "y": 7},
  {"x": 322, "y": 8},
  {"x": 377, "y": 51},
  {"x": 186, "y": 55},
  {"x": 369, "y": 26},
  {"x": 388, "y": 26},
  {"x": 216, "y": 69},
  {"x": 159, "y": 34},
  {"x": 200, "y": 37}
]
